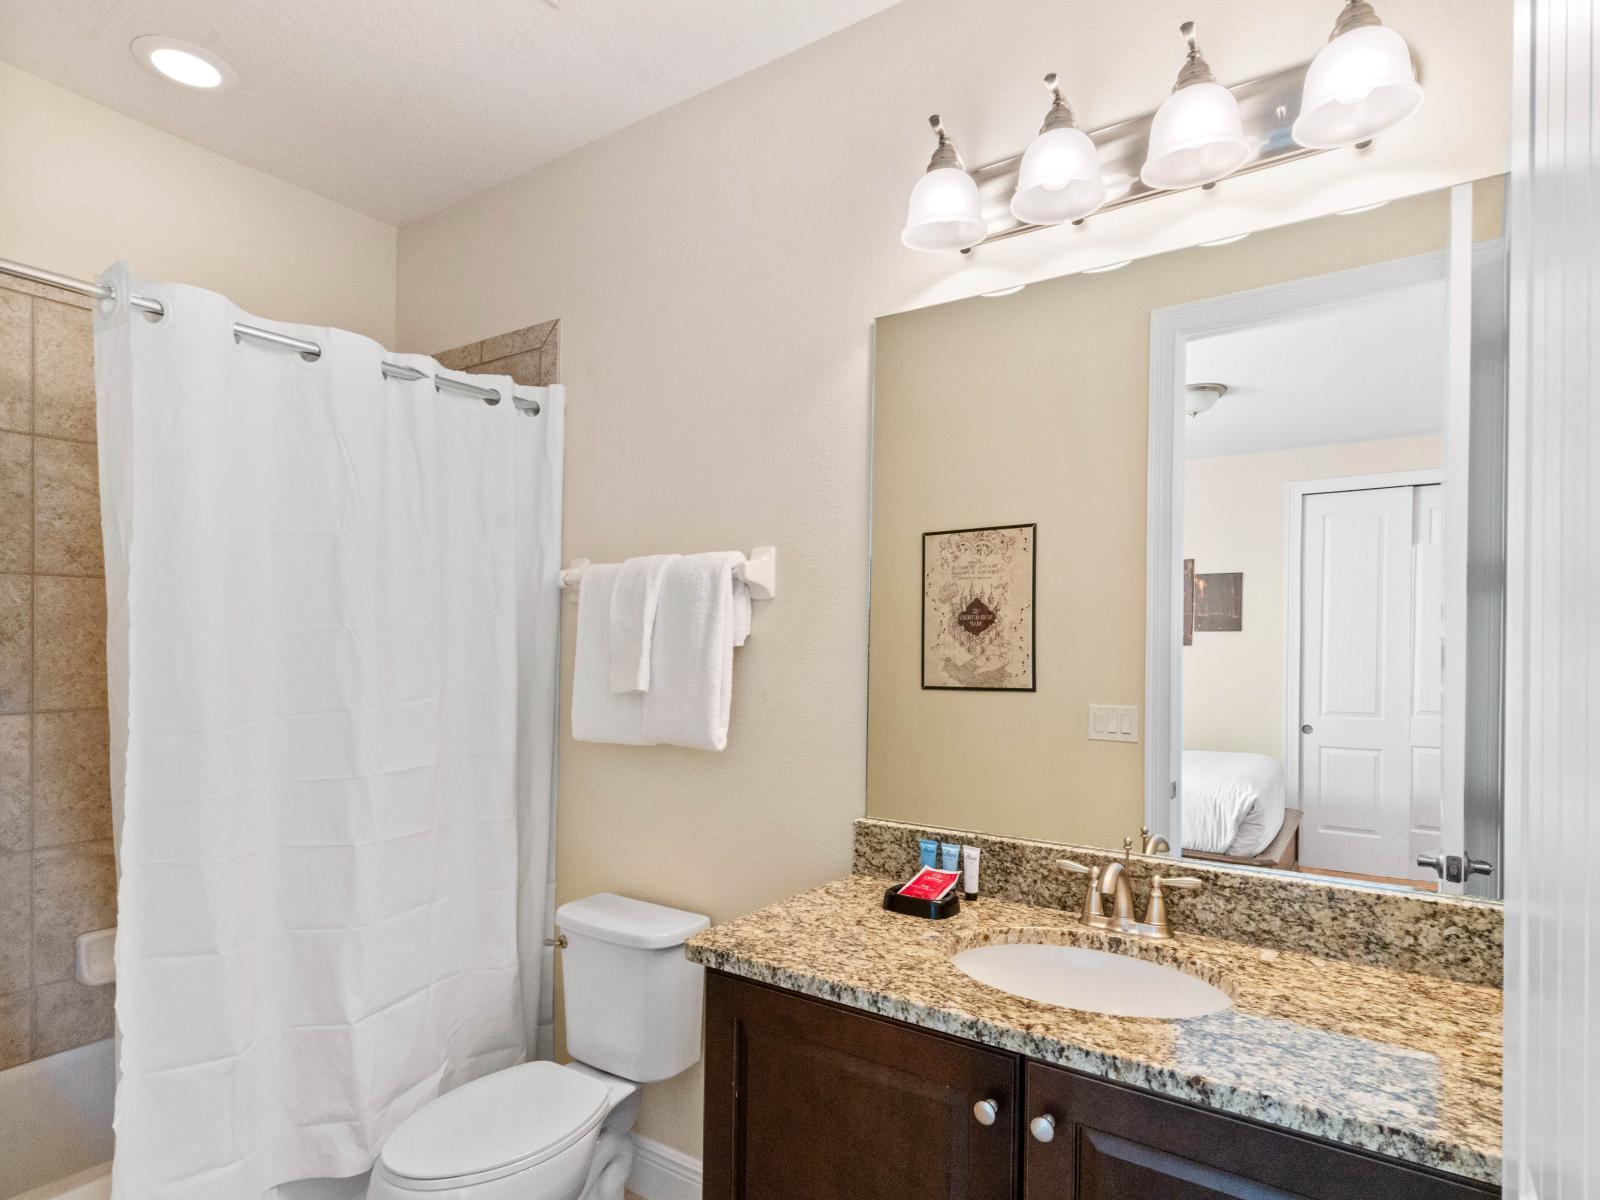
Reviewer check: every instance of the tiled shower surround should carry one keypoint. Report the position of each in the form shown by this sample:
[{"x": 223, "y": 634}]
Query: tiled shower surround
[
  {"x": 531, "y": 356},
  {"x": 57, "y": 877}
]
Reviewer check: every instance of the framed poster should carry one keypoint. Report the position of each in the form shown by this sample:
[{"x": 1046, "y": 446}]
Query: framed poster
[{"x": 977, "y": 608}]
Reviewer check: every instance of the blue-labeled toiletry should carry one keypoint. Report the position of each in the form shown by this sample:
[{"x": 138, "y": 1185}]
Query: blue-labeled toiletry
[
  {"x": 930, "y": 852},
  {"x": 950, "y": 856}
]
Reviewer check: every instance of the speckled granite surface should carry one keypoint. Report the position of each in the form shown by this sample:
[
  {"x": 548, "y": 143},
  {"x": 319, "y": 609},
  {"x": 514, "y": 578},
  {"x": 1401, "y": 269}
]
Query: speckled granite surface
[
  {"x": 1454, "y": 938},
  {"x": 1401, "y": 1064}
]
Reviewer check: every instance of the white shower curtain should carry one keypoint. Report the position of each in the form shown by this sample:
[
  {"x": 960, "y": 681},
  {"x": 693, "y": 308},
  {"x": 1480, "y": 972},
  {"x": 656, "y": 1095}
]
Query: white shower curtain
[{"x": 332, "y": 628}]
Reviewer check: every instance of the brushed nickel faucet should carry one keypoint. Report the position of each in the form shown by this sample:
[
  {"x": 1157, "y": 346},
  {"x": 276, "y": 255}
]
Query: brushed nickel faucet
[{"x": 1111, "y": 881}]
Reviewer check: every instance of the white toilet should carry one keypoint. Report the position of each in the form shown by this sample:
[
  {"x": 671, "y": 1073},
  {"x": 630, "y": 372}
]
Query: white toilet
[{"x": 541, "y": 1131}]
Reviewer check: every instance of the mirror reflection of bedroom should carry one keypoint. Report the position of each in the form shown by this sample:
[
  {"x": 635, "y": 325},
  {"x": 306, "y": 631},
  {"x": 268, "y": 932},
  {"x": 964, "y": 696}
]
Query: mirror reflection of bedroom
[{"x": 1317, "y": 500}]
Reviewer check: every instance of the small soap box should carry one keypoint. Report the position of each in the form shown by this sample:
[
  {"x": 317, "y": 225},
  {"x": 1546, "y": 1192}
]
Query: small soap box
[{"x": 931, "y": 894}]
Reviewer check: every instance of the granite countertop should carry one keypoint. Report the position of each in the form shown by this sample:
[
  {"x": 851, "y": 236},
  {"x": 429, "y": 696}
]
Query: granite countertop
[{"x": 1396, "y": 1063}]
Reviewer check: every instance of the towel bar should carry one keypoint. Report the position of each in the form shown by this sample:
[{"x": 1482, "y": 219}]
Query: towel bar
[{"x": 759, "y": 572}]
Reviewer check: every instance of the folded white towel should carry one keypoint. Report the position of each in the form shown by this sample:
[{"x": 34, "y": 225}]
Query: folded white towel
[
  {"x": 633, "y": 619},
  {"x": 599, "y": 715},
  {"x": 702, "y": 614}
]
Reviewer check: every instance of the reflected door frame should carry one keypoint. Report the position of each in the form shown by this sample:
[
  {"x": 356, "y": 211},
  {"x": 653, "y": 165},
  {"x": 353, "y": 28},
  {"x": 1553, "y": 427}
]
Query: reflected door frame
[{"x": 1171, "y": 330}]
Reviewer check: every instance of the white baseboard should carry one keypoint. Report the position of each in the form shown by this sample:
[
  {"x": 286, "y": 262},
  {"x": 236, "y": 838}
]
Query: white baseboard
[{"x": 662, "y": 1173}]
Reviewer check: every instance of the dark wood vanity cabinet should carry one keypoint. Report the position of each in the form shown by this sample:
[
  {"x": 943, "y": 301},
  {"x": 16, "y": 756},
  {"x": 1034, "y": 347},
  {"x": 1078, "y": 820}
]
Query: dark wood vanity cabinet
[{"x": 807, "y": 1100}]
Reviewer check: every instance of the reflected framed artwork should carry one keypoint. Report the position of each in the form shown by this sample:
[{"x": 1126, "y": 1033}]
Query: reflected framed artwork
[{"x": 978, "y": 608}]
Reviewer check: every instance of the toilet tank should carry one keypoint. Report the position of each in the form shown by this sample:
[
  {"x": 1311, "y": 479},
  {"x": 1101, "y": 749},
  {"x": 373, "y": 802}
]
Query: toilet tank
[{"x": 633, "y": 1001}]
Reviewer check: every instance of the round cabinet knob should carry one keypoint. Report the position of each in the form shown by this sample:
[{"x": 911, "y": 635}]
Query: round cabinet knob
[
  {"x": 1043, "y": 1128},
  {"x": 985, "y": 1111}
]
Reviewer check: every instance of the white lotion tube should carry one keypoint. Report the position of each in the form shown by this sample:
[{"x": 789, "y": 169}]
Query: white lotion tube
[{"x": 969, "y": 871}]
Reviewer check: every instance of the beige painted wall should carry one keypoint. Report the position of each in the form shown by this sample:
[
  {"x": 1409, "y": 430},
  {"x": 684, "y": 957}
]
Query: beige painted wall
[
  {"x": 1033, "y": 407},
  {"x": 1234, "y": 514},
  {"x": 82, "y": 186},
  {"x": 717, "y": 268}
]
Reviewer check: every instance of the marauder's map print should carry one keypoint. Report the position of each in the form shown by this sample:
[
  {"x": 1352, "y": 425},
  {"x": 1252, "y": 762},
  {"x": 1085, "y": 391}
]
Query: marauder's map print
[{"x": 977, "y": 608}]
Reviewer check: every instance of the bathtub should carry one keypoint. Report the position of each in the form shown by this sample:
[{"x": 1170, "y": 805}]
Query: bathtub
[{"x": 56, "y": 1113}]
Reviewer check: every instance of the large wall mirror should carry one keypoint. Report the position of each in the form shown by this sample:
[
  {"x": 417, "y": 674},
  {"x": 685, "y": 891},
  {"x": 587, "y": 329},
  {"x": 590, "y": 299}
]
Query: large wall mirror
[{"x": 1211, "y": 543}]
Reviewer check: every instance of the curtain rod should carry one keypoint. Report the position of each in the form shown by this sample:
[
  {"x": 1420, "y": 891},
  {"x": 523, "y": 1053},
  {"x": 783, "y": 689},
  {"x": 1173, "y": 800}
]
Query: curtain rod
[{"x": 307, "y": 350}]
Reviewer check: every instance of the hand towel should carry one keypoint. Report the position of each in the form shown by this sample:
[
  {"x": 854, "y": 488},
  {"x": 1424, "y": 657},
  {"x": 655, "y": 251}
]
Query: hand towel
[
  {"x": 702, "y": 614},
  {"x": 599, "y": 715},
  {"x": 633, "y": 619}
]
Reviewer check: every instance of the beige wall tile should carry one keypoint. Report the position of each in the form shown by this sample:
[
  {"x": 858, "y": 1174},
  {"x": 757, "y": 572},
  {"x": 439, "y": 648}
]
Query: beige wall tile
[
  {"x": 16, "y": 771},
  {"x": 66, "y": 508},
  {"x": 16, "y": 643},
  {"x": 74, "y": 891},
  {"x": 16, "y": 1028},
  {"x": 523, "y": 368},
  {"x": 16, "y": 361},
  {"x": 63, "y": 371},
  {"x": 16, "y": 938},
  {"x": 68, "y": 1014},
  {"x": 71, "y": 778},
  {"x": 16, "y": 501},
  {"x": 69, "y": 642},
  {"x": 462, "y": 357},
  {"x": 550, "y": 361},
  {"x": 516, "y": 342}
]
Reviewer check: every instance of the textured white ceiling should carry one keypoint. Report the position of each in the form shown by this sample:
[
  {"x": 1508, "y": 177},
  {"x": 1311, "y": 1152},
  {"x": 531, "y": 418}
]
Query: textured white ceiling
[
  {"x": 397, "y": 108},
  {"x": 1354, "y": 374}
]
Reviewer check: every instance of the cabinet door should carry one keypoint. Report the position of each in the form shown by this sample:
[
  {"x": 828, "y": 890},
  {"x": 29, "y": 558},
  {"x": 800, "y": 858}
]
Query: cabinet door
[
  {"x": 1112, "y": 1142},
  {"x": 811, "y": 1101}
]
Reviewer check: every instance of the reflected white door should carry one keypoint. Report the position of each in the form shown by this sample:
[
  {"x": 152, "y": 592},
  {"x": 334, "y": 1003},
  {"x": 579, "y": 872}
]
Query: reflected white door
[{"x": 1370, "y": 680}]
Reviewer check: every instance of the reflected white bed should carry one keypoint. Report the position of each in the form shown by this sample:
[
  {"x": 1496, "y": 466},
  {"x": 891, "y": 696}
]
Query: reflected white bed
[{"x": 1234, "y": 809}]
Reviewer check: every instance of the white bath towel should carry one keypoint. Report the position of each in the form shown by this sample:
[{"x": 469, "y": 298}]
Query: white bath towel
[
  {"x": 633, "y": 619},
  {"x": 598, "y": 714},
  {"x": 702, "y": 614}
]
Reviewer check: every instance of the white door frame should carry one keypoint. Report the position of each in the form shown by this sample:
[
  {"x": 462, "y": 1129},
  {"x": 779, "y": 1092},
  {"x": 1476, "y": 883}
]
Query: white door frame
[
  {"x": 1171, "y": 330},
  {"x": 1295, "y": 521}
]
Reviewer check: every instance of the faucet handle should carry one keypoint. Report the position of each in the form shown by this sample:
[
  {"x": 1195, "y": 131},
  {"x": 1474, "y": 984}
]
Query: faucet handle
[
  {"x": 1066, "y": 864},
  {"x": 1183, "y": 882}
]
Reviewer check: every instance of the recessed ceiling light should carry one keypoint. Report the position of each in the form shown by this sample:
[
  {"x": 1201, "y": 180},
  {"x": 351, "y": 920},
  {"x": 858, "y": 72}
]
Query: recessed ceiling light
[
  {"x": 1005, "y": 291},
  {"x": 1116, "y": 266},
  {"x": 183, "y": 62},
  {"x": 1360, "y": 208},
  {"x": 1227, "y": 241}
]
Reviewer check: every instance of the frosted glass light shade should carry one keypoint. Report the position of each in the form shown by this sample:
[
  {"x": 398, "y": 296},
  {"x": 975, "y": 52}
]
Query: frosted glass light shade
[
  {"x": 1360, "y": 84},
  {"x": 1196, "y": 138},
  {"x": 944, "y": 212},
  {"x": 1059, "y": 179}
]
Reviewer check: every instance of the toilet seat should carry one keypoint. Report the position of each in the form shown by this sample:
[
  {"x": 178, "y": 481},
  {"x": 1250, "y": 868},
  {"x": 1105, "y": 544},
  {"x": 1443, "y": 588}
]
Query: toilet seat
[{"x": 499, "y": 1125}]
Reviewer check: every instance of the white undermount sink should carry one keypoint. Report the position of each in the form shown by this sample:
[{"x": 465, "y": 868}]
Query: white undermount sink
[{"x": 1091, "y": 980}]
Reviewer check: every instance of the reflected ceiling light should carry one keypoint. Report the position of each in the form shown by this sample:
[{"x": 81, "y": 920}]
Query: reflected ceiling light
[
  {"x": 1226, "y": 241},
  {"x": 1116, "y": 266},
  {"x": 183, "y": 62},
  {"x": 1005, "y": 291},
  {"x": 1361, "y": 84},
  {"x": 1196, "y": 137},
  {"x": 1059, "y": 179},
  {"x": 1360, "y": 208},
  {"x": 944, "y": 211},
  {"x": 1202, "y": 397}
]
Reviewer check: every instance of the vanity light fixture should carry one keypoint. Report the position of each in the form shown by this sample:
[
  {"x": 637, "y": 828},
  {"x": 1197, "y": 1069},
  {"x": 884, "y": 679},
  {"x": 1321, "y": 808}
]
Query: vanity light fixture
[
  {"x": 1116, "y": 266},
  {"x": 1361, "y": 84},
  {"x": 1226, "y": 241},
  {"x": 1360, "y": 208},
  {"x": 183, "y": 62},
  {"x": 1197, "y": 136},
  {"x": 1005, "y": 291},
  {"x": 1202, "y": 397},
  {"x": 1059, "y": 179},
  {"x": 944, "y": 213}
]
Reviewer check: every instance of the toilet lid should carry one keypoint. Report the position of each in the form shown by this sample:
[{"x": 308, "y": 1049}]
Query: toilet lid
[{"x": 522, "y": 1115}]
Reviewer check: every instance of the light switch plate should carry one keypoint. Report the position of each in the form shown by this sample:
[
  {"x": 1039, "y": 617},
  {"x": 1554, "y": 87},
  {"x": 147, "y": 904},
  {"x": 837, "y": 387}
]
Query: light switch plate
[{"x": 1113, "y": 722}]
